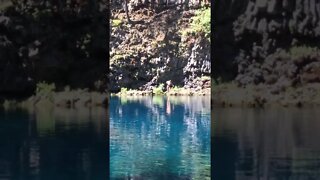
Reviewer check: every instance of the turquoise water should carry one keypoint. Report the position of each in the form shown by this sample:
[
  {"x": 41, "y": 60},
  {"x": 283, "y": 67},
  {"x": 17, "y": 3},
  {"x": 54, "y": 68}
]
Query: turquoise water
[{"x": 160, "y": 138}]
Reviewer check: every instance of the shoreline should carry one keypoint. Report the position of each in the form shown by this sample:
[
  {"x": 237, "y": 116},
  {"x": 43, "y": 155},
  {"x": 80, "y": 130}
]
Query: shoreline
[
  {"x": 172, "y": 92},
  {"x": 264, "y": 96},
  {"x": 84, "y": 98},
  {"x": 67, "y": 99},
  {"x": 222, "y": 95}
]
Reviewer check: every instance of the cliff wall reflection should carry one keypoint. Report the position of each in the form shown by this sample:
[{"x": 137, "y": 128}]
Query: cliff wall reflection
[
  {"x": 266, "y": 144},
  {"x": 53, "y": 143}
]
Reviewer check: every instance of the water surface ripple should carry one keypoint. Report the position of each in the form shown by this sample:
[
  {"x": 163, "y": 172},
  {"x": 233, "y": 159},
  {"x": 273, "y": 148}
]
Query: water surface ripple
[
  {"x": 274, "y": 143},
  {"x": 160, "y": 138}
]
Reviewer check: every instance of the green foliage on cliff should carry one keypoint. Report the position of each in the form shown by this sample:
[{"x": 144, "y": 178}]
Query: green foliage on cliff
[
  {"x": 200, "y": 23},
  {"x": 117, "y": 57},
  {"x": 302, "y": 51},
  {"x": 297, "y": 52},
  {"x": 116, "y": 22}
]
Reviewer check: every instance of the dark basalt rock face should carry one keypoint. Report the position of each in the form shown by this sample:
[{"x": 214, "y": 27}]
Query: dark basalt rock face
[
  {"x": 224, "y": 47},
  {"x": 52, "y": 43},
  {"x": 150, "y": 53},
  {"x": 198, "y": 63},
  {"x": 259, "y": 38}
]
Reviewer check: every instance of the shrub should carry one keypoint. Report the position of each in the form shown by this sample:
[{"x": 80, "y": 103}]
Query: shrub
[
  {"x": 158, "y": 90},
  {"x": 124, "y": 90},
  {"x": 45, "y": 90}
]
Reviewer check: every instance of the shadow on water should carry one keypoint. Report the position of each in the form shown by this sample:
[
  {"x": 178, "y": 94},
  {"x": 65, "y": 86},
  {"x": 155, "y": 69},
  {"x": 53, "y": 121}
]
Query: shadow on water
[
  {"x": 53, "y": 143},
  {"x": 160, "y": 138},
  {"x": 252, "y": 144}
]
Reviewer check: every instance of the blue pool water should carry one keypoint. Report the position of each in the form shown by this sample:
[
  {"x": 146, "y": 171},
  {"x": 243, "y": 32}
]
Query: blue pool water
[{"x": 160, "y": 138}]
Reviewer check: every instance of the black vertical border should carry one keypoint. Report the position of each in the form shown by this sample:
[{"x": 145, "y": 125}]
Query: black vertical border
[{"x": 212, "y": 35}]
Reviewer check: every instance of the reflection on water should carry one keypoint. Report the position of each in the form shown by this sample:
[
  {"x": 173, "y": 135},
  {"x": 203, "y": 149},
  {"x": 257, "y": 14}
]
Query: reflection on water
[
  {"x": 251, "y": 144},
  {"x": 54, "y": 143},
  {"x": 160, "y": 138}
]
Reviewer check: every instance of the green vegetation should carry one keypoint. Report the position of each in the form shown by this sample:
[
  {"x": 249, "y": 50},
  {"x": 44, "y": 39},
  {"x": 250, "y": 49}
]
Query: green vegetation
[
  {"x": 124, "y": 90},
  {"x": 117, "y": 57},
  {"x": 45, "y": 90},
  {"x": 177, "y": 89},
  {"x": 158, "y": 90},
  {"x": 116, "y": 22},
  {"x": 200, "y": 23},
  {"x": 297, "y": 52},
  {"x": 302, "y": 51}
]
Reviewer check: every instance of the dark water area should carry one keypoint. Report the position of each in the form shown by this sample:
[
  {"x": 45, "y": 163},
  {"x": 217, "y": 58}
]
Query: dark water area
[
  {"x": 160, "y": 138},
  {"x": 274, "y": 144},
  {"x": 53, "y": 143}
]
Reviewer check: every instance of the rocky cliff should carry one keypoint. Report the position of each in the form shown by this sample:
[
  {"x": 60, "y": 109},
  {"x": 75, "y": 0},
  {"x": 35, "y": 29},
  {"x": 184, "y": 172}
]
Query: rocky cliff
[
  {"x": 272, "y": 42},
  {"x": 157, "y": 48},
  {"x": 58, "y": 43}
]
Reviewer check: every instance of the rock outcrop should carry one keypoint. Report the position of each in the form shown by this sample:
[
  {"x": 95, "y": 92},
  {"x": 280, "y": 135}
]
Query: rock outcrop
[
  {"x": 267, "y": 42},
  {"x": 56, "y": 43},
  {"x": 153, "y": 50}
]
